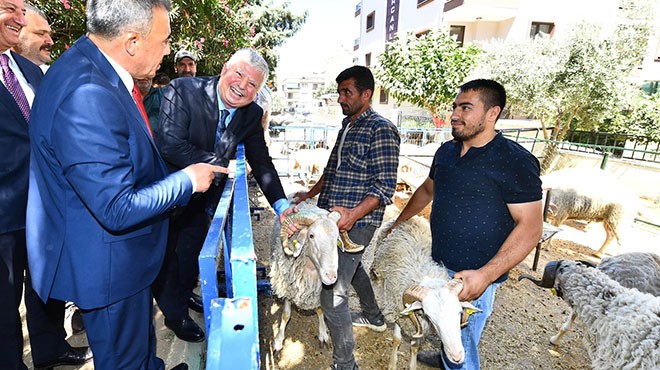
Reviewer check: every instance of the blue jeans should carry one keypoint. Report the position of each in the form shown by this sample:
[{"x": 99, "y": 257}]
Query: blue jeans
[
  {"x": 471, "y": 334},
  {"x": 334, "y": 300}
]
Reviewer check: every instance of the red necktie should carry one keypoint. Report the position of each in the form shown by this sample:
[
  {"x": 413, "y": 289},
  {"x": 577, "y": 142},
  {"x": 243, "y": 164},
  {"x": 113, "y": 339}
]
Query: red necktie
[{"x": 138, "y": 100}]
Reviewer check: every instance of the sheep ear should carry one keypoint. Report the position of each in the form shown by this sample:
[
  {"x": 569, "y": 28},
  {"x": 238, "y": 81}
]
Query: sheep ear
[{"x": 417, "y": 305}]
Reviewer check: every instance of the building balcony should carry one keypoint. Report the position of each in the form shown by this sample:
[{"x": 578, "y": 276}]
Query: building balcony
[{"x": 456, "y": 11}]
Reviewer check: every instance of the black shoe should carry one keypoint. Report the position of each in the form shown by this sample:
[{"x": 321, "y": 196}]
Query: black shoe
[
  {"x": 360, "y": 320},
  {"x": 186, "y": 329},
  {"x": 181, "y": 366},
  {"x": 73, "y": 356},
  {"x": 430, "y": 359},
  {"x": 195, "y": 303}
]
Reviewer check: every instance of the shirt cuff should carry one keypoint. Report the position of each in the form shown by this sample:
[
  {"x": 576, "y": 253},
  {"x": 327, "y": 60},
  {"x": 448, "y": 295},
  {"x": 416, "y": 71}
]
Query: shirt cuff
[
  {"x": 281, "y": 205},
  {"x": 185, "y": 170}
]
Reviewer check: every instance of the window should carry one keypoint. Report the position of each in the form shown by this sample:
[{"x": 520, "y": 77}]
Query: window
[
  {"x": 371, "y": 21},
  {"x": 384, "y": 96},
  {"x": 423, "y": 2},
  {"x": 356, "y": 44},
  {"x": 541, "y": 27},
  {"x": 358, "y": 8},
  {"x": 367, "y": 59},
  {"x": 458, "y": 32},
  {"x": 422, "y": 33}
]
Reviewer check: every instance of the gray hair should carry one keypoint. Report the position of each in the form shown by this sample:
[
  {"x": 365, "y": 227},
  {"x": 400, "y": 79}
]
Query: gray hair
[
  {"x": 253, "y": 58},
  {"x": 38, "y": 11},
  {"x": 110, "y": 18}
]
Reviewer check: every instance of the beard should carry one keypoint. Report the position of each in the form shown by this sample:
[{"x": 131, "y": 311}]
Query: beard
[
  {"x": 468, "y": 132},
  {"x": 186, "y": 74}
]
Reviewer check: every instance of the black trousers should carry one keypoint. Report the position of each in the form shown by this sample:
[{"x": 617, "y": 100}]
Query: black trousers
[
  {"x": 180, "y": 271},
  {"x": 45, "y": 321}
]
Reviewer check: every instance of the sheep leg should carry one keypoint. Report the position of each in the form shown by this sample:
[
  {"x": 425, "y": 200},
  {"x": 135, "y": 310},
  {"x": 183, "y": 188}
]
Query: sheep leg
[
  {"x": 609, "y": 235},
  {"x": 414, "y": 348},
  {"x": 564, "y": 328},
  {"x": 396, "y": 342},
  {"x": 286, "y": 315},
  {"x": 324, "y": 336}
]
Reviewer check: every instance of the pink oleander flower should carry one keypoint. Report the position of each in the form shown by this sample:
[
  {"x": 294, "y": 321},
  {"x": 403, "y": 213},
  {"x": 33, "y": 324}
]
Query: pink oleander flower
[
  {"x": 198, "y": 44},
  {"x": 226, "y": 42},
  {"x": 66, "y": 46},
  {"x": 202, "y": 39},
  {"x": 66, "y": 4}
]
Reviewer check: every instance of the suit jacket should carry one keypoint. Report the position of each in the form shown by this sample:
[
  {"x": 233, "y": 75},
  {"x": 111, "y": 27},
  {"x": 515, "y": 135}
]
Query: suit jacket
[
  {"x": 15, "y": 151},
  {"x": 99, "y": 191},
  {"x": 188, "y": 121}
]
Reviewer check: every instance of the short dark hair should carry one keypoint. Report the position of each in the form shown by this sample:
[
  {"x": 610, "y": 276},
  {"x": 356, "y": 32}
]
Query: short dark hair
[
  {"x": 491, "y": 92},
  {"x": 161, "y": 79},
  {"x": 362, "y": 75},
  {"x": 110, "y": 18}
]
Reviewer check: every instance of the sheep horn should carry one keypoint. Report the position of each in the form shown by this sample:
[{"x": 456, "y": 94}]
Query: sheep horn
[
  {"x": 549, "y": 275},
  {"x": 303, "y": 218},
  {"x": 411, "y": 298},
  {"x": 347, "y": 245}
]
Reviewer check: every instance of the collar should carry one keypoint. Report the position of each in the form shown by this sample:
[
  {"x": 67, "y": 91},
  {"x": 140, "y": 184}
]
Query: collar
[
  {"x": 346, "y": 121},
  {"x": 125, "y": 77}
]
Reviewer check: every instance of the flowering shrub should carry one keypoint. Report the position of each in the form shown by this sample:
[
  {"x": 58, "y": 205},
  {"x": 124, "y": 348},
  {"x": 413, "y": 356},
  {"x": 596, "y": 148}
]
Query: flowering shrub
[{"x": 211, "y": 29}]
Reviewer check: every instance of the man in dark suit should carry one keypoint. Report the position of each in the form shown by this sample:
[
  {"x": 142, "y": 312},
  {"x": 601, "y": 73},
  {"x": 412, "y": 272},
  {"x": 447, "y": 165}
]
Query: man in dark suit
[
  {"x": 203, "y": 119},
  {"x": 99, "y": 192},
  {"x": 20, "y": 79}
]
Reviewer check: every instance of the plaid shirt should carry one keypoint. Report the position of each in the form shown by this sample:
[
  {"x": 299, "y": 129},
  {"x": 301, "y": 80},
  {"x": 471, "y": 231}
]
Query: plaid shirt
[{"x": 369, "y": 162}]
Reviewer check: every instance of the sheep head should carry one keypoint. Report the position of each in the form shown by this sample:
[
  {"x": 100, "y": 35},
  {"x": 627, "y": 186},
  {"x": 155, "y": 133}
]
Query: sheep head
[
  {"x": 319, "y": 237},
  {"x": 549, "y": 278},
  {"x": 439, "y": 304}
]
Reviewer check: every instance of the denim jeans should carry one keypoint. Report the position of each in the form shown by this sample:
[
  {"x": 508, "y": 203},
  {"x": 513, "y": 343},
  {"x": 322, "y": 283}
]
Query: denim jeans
[
  {"x": 334, "y": 300},
  {"x": 471, "y": 334}
]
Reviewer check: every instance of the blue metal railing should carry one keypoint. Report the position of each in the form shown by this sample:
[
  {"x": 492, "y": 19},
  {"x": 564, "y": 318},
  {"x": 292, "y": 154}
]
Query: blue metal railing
[{"x": 231, "y": 323}]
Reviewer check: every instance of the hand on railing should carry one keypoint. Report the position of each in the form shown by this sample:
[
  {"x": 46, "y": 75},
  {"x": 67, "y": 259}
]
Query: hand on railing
[{"x": 203, "y": 174}]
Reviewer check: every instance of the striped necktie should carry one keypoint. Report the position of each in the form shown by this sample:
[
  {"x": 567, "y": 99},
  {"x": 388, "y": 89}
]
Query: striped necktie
[{"x": 14, "y": 87}]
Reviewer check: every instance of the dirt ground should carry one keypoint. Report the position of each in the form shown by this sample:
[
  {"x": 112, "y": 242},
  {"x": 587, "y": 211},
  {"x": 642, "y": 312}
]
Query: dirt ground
[{"x": 516, "y": 337}]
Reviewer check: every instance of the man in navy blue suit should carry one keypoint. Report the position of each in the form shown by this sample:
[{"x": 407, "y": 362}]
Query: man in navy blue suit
[
  {"x": 20, "y": 79},
  {"x": 99, "y": 193}
]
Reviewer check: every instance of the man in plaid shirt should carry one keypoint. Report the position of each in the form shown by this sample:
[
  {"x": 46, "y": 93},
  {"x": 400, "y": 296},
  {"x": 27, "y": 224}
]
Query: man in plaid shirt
[{"x": 358, "y": 182}]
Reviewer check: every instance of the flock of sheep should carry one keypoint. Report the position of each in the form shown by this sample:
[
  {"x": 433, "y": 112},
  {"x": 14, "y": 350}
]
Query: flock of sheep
[{"x": 617, "y": 302}]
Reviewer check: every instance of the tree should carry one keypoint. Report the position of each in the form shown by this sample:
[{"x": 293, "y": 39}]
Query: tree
[
  {"x": 211, "y": 29},
  {"x": 574, "y": 82},
  {"x": 425, "y": 70},
  {"x": 271, "y": 26}
]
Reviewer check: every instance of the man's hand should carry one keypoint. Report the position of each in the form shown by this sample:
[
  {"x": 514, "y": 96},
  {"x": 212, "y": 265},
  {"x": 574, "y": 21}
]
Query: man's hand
[
  {"x": 348, "y": 218},
  {"x": 203, "y": 174},
  {"x": 475, "y": 283},
  {"x": 292, "y": 228},
  {"x": 300, "y": 196}
]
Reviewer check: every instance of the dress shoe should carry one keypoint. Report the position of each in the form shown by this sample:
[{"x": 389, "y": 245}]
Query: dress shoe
[
  {"x": 430, "y": 359},
  {"x": 181, "y": 366},
  {"x": 195, "y": 303},
  {"x": 73, "y": 356},
  {"x": 186, "y": 329}
]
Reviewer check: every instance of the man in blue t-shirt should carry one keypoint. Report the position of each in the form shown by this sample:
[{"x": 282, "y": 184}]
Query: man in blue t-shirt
[{"x": 486, "y": 214}]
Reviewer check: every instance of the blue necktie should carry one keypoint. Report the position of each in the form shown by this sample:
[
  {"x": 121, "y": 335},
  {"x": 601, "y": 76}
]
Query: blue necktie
[{"x": 221, "y": 127}]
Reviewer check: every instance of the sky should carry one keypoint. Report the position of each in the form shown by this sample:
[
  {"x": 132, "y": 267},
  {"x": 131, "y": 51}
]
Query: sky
[{"x": 330, "y": 24}]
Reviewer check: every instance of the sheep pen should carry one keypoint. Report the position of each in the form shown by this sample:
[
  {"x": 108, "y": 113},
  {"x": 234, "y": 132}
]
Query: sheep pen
[{"x": 516, "y": 336}]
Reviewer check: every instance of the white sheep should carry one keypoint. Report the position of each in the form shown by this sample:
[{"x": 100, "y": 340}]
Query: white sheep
[
  {"x": 407, "y": 280},
  {"x": 297, "y": 274},
  {"x": 623, "y": 324},
  {"x": 636, "y": 270},
  {"x": 591, "y": 195}
]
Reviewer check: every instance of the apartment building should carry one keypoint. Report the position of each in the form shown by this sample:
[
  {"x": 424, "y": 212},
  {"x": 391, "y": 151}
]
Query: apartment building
[{"x": 476, "y": 20}]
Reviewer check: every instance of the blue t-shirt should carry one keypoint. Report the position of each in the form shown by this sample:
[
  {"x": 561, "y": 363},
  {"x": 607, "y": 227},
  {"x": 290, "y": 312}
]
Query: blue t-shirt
[{"x": 469, "y": 218}]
